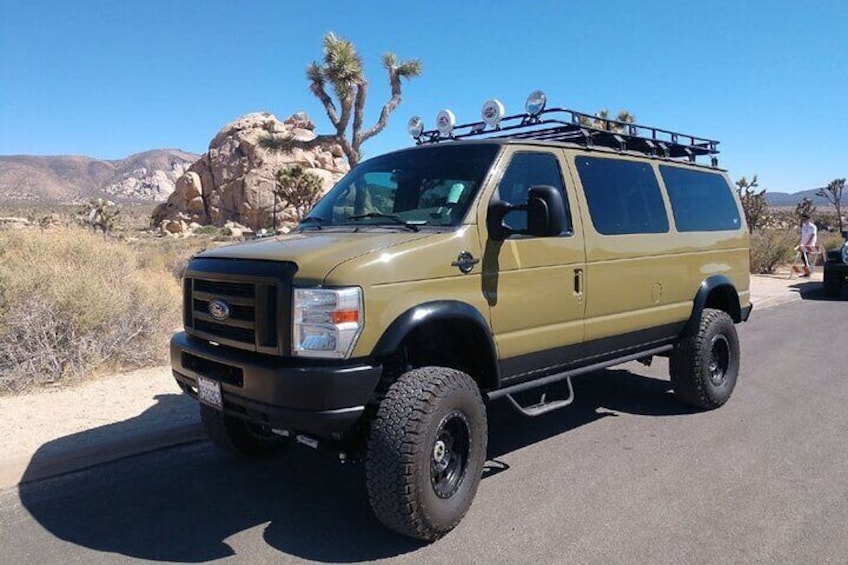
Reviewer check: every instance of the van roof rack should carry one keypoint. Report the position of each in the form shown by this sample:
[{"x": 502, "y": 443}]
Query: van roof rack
[{"x": 562, "y": 124}]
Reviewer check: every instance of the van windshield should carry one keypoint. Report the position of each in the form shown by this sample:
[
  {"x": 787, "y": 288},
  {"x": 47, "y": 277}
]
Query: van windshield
[{"x": 428, "y": 186}]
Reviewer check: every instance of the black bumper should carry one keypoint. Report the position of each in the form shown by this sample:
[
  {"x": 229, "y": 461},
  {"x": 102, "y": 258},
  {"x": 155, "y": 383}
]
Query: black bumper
[
  {"x": 320, "y": 400},
  {"x": 839, "y": 269}
]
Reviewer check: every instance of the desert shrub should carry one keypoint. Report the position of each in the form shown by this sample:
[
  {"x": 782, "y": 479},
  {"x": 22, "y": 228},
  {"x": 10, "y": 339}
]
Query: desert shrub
[
  {"x": 171, "y": 255},
  {"x": 72, "y": 303},
  {"x": 771, "y": 249},
  {"x": 208, "y": 230},
  {"x": 830, "y": 240}
]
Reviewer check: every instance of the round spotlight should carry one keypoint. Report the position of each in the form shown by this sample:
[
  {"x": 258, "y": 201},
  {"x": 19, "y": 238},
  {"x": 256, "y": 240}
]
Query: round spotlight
[
  {"x": 415, "y": 126},
  {"x": 493, "y": 112},
  {"x": 536, "y": 103},
  {"x": 445, "y": 121}
]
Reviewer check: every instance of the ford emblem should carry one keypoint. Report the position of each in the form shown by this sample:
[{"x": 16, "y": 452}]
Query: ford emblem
[{"x": 219, "y": 309}]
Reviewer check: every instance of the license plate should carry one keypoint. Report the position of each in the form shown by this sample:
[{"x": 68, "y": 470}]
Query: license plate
[{"x": 209, "y": 392}]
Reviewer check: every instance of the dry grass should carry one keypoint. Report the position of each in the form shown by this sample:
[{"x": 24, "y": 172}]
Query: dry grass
[
  {"x": 771, "y": 249},
  {"x": 72, "y": 303}
]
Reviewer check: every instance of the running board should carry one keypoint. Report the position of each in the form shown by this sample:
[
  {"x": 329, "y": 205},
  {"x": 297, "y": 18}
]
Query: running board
[{"x": 544, "y": 407}]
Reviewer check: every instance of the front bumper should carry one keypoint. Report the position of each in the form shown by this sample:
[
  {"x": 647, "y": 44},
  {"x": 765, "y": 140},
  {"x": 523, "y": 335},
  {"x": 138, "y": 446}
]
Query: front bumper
[
  {"x": 320, "y": 400},
  {"x": 838, "y": 269}
]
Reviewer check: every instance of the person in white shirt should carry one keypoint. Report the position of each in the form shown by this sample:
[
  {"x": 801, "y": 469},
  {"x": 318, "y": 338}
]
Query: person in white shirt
[{"x": 809, "y": 234}]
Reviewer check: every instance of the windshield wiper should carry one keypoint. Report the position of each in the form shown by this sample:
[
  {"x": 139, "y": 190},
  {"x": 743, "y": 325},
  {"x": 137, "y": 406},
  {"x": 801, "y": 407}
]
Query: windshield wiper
[
  {"x": 317, "y": 220},
  {"x": 396, "y": 219}
]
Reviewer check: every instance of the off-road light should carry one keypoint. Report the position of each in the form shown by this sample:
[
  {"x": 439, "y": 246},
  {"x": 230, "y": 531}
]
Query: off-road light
[
  {"x": 415, "y": 126},
  {"x": 445, "y": 121},
  {"x": 493, "y": 112},
  {"x": 535, "y": 103}
]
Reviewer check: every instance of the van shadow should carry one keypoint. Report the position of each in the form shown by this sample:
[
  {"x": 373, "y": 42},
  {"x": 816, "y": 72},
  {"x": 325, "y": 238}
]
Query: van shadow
[
  {"x": 601, "y": 394},
  {"x": 196, "y": 504},
  {"x": 813, "y": 290}
]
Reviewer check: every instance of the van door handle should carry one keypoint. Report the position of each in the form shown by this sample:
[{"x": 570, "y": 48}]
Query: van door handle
[{"x": 578, "y": 281}]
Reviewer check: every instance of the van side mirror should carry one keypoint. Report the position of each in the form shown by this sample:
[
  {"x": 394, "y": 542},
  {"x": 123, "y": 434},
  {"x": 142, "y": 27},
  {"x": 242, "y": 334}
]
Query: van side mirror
[
  {"x": 545, "y": 211},
  {"x": 498, "y": 209}
]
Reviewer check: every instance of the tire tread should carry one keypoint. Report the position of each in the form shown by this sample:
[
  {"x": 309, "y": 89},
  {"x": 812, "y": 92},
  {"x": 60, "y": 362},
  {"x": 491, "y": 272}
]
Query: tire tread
[
  {"x": 686, "y": 365},
  {"x": 397, "y": 435}
]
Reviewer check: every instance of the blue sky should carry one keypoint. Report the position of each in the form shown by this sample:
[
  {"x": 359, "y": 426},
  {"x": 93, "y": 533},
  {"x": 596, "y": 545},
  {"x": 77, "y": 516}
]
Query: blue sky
[{"x": 111, "y": 78}]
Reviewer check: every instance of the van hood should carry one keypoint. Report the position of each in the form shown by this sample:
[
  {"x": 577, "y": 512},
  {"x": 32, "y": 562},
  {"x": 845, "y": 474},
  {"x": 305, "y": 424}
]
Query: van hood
[{"x": 316, "y": 253}]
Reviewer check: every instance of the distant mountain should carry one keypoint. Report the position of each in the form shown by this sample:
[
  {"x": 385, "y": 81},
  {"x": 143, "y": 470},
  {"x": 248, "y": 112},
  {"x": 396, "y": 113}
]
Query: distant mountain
[
  {"x": 147, "y": 176},
  {"x": 791, "y": 199}
]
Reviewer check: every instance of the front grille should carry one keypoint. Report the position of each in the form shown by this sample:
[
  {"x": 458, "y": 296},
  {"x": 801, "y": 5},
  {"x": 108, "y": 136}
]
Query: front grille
[
  {"x": 256, "y": 293},
  {"x": 237, "y": 311},
  {"x": 224, "y": 288},
  {"x": 243, "y": 335}
]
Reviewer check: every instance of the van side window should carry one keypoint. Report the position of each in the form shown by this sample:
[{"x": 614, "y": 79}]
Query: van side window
[
  {"x": 700, "y": 201},
  {"x": 527, "y": 170},
  {"x": 623, "y": 196}
]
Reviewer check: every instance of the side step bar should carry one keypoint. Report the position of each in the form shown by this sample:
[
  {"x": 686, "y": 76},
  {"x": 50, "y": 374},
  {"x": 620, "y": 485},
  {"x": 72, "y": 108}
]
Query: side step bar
[{"x": 543, "y": 407}]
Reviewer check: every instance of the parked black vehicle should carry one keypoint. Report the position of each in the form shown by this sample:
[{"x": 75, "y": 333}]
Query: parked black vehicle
[{"x": 836, "y": 269}]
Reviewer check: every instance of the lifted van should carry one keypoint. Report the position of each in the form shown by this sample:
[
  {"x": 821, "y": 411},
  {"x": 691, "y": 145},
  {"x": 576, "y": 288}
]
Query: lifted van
[{"x": 493, "y": 259}]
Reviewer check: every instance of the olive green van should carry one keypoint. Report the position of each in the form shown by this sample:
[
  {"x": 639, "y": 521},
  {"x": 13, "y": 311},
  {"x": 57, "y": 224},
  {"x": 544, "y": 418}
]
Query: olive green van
[{"x": 492, "y": 259}]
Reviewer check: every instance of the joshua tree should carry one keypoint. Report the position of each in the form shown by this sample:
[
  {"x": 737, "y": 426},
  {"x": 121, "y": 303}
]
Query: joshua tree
[
  {"x": 298, "y": 189},
  {"x": 833, "y": 194},
  {"x": 342, "y": 70},
  {"x": 804, "y": 208},
  {"x": 100, "y": 214},
  {"x": 602, "y": 120},
  {"x": 754, "y": 203}
]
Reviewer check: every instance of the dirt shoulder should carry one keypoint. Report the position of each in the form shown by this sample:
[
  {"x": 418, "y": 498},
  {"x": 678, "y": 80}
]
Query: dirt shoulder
[{"x": 33, "y": 420}]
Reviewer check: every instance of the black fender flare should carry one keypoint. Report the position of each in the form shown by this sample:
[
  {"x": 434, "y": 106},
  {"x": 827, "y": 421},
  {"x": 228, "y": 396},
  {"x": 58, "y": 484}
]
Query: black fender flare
[
  {"x": 436, "y": 311},
  {"x": 710, "y": 284}
]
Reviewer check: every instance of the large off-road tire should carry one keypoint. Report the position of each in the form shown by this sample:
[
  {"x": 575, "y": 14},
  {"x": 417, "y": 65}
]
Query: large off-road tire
[
  {"x": 238, "y": 436},
  {"x": 426, "y": 452},
  {"x": 832, "y": 284},
  {"x": 704, "y": 366}
]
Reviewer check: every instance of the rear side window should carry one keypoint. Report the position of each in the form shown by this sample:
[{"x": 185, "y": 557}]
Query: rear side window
[
  {"x": 623, "y": 196},
  {"x": 700, "y": 201}
]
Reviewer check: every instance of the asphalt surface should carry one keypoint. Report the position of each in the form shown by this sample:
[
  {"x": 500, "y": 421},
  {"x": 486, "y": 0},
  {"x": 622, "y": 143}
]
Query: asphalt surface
[{"x": 625, "y": 475}]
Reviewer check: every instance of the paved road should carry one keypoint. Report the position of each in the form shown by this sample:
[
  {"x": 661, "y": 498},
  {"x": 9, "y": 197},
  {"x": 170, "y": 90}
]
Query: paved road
[{"x": 626, "y": 475}]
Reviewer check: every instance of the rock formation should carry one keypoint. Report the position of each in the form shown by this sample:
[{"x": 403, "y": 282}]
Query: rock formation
[{"x": 234, "y": 180}]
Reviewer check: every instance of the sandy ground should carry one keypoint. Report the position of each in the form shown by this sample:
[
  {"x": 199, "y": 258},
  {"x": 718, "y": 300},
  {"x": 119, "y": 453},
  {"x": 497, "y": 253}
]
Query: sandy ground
[{"x": 31, "y": 420}]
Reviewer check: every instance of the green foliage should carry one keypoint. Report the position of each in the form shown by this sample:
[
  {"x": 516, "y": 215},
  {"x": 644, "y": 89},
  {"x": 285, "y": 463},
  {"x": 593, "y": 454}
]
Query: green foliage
[
  {"x": 804, "y": 208},
  {"x": 278, "y": 143},
  {"x": 771, "y": 249},
  {"x": 100, "y": 214},
  {"x": 73, "y": 304},
  {"x": 830, "y": 240},
  {"x": 342, "y": 71},
  {"x": 298, "y": 189},
  {"x": 754, "y": 203},
  {"x": 603, "y": 121},
  {"x": 833, "y": 194}
]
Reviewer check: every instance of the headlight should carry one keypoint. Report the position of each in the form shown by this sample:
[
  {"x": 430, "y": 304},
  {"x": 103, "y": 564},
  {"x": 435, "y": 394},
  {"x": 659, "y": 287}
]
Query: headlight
[
  {"x": 326, "y": 322},
  {"x": 845, "y": 252}
]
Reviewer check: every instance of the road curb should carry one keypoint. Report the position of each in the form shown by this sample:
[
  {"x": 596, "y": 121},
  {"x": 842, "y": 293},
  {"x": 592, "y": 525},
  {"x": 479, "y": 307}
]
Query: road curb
[
  {"x": 776, "y": 301},
  {"x": 39, "y": 467}
]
